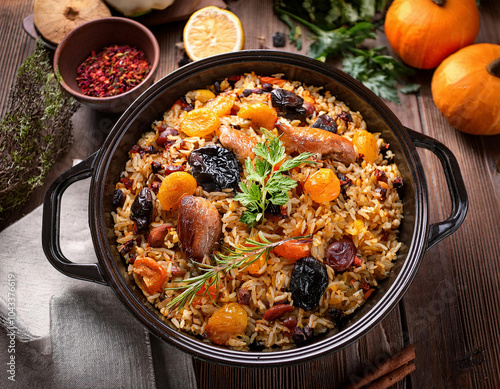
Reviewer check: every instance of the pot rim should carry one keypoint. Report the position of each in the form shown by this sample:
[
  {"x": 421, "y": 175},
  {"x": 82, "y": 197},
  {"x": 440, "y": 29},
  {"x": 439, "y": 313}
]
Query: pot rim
[{"x": 224, "y": 355}]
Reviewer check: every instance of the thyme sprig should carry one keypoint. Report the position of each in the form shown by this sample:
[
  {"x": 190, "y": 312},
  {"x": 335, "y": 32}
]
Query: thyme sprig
[{"x": 234, "y": 257}]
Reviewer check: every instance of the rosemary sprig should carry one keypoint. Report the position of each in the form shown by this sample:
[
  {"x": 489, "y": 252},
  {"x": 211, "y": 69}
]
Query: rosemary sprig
[{"x": 235, "y": 257}]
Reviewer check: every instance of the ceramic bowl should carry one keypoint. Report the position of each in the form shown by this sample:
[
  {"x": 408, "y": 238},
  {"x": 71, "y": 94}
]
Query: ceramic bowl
[{"x": 95, "y": 35}]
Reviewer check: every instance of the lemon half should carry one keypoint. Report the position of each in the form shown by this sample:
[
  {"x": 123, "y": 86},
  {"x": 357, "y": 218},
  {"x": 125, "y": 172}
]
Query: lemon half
[{"x": 211, "y": 31}]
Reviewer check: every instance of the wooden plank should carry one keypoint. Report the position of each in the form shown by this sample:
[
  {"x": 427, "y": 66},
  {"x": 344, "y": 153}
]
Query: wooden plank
[{"x": 452, "y": 306}]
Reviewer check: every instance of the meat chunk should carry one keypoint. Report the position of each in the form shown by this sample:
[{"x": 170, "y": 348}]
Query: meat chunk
[
  {"x": 315, "y": 140},
  {"x": 239, "y": 143},
  {"x": 199, "y": 226}
]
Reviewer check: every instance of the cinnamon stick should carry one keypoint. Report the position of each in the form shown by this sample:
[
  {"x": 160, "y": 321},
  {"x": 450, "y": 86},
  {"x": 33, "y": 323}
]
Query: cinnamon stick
[
  {"x": 393, "y": 377},
  {"x": 393, "y": 363}
]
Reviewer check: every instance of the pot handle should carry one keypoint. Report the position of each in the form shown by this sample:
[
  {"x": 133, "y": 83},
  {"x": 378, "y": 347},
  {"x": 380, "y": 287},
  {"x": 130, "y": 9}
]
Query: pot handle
[
  {"x": 456, "y": 186},
  {"x": 51, "y": 224}
]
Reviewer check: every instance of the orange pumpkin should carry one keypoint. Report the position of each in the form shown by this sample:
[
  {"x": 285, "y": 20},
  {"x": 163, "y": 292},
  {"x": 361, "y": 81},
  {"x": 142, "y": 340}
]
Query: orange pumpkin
[
  {"x": 466, "y": 89},
  {"x": 424, "y": 32}
]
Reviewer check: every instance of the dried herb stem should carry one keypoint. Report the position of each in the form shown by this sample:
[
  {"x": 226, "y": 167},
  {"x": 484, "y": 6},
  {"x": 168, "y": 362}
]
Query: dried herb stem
[{"x": 235, "y": 257}]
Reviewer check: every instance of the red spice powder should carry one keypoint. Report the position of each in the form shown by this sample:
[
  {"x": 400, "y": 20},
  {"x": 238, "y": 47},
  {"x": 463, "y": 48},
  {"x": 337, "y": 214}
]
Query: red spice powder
[{"x": 114, "y": 70}]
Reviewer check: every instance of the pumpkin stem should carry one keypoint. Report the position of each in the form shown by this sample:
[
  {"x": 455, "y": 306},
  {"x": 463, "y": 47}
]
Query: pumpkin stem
[
  {"x": 439, "y": 2},
  {"x": 494, "y": 67}
]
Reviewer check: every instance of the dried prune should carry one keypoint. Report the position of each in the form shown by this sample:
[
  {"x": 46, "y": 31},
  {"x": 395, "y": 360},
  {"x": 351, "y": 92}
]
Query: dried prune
[
  {"x": 308, "y": 282},
  {"x": 340, "y": 255},
  {"x": 142, "y": 209},
  {"x": 118, "y": 198},
  {"x": 325, "y": 122},
  {"x": 214, "y": 168},
  {"x": 288, "y": 104}
]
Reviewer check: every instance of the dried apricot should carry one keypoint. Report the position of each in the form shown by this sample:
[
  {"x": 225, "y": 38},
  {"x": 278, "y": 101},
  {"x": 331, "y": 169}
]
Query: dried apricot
[
  {"x": 228, "y": 321},
  {"x": 294, "y": 249},
  {"x": 203, "y": 95},
  {"x": 366, "y": 145},
  {"x": 200, "y": 122},
  {"x": 150, "y": 275},
  {"x": 204, "y": 297},
  {"x": 221, "y": 105},
  {"x": 260, "y": 114},
  {"x": 255, "y": 266},
  {"x": 175, "y": 186},
  {"x": 322, "y": 186}
]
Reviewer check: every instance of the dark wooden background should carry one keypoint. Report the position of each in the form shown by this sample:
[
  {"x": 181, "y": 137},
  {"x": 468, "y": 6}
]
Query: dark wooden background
[{"x": 451, "y": 312}]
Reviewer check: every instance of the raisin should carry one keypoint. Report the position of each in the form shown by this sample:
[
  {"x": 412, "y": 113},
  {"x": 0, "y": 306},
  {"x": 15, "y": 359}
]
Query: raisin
[
  {"x": 257, "y": 345},
  {"x": 345, "y": 182},
  {"x": 325, "y": 122},
  {"x": 266, "y": 87},
  {"x": 340, "y": 255},
  {"x": 382, "y": 192},
  {"x": 288, "y": 104},
  {"x": 380, "y": 175},
  {"x": 127, "y": 247},
  {"x": 279, "y": 39},
  {"x": 338, "y": 317},
  {"x": 308, "y": 282},
  {"x": 363, "y": 284},
  {"x": 243, "y": 296},
  {"x": 127, "y": 182},
  {"x": 118, "y": 198},
  {"x": 302, "y": 335},
  {"x": 214, "y": 168},
  {"x": 345, "y": 116},
  {"x": 132, "y": 258},
  {"x": 155, "y": 167},
  {"x": 142, "y": 209},
  {"x": 155, "y": 186},
  {"x": 173, "y": 168},
  {"x": 383, "y": 149},
  {"x": 217, "y": 87},
  {"x": 248, "y": 92},
  {"x": 163, "y": 140},
  {"x": 135, "y": 149},
  {"x": 397, "y": 183}
]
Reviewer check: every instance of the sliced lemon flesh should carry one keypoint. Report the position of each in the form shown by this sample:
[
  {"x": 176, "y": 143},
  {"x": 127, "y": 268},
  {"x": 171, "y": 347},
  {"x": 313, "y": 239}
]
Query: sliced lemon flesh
[{"x": 211, "y": 31}]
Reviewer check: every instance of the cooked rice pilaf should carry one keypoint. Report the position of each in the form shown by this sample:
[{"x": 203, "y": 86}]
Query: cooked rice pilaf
[{"x": 367, "y": 211}]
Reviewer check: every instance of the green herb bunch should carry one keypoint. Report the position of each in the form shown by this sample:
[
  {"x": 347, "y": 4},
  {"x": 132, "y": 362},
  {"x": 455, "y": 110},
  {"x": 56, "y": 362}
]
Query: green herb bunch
[
  {"x": 339, "y": 27},
  {"x": 35, "y": 130},
  {"x": 234, "y": 257},
  {"x": 265, "y": 182}
]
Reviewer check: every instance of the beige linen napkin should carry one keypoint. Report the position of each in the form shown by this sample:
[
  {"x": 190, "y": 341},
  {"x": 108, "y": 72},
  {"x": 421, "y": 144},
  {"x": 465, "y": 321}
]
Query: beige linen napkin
[{"x": 72, "y": 333}]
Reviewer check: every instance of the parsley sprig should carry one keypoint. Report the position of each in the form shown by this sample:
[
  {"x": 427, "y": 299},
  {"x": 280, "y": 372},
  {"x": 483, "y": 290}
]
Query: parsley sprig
[
  {"x": 233, "y": 257},
  {"x": 378, "y": 72},
  {"x": 265, "y": 182}
]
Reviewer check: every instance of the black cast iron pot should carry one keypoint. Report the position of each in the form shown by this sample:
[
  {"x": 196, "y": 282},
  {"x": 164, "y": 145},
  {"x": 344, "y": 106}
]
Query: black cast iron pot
[{"x": 105, "y": 166}]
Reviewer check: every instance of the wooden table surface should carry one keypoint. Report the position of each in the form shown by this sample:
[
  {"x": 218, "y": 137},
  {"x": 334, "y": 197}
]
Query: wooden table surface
[{"x": 451, "y": 311}]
